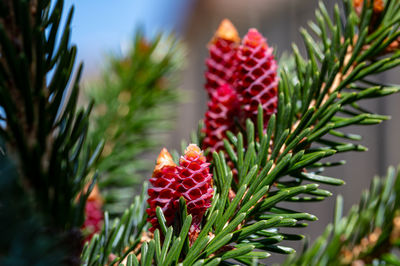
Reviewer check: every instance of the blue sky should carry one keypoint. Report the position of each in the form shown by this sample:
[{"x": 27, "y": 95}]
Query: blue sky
[{"x": 104, "y": 26}]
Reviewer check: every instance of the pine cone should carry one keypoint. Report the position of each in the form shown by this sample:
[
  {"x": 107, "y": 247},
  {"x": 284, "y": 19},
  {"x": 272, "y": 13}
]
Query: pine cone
[
  {"x": 93, "y": 219},
  {"x": 93, "y": 213},
  {"x": 257, "y": 81},
  {"x": 195, "y": 184},
  {"x": 219, "y": 118},
  {"x": 163, "y": 193},
  {"x": 378, "y": 8},
  {"x": 191, "y": 179},
  {"x": 222, "y": 63}
]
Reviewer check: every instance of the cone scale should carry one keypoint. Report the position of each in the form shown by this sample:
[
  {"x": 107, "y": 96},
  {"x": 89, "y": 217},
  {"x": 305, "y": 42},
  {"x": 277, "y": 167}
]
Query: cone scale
[
  {"x": 163, "y": 194},
  {"x": 190, "y": 179},
  {"x": 93, "y": 214},
  {"x": 219, "y": 118},
  {"x": 195, "y": 183},
  {"x": 257, "y": 81},
  {"x": 222, "y": 61}
]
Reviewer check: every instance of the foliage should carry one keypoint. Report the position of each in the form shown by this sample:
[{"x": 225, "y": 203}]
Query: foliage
[
  {"x": 43, "y": 133},
  {"x": 48, "y": 159},
  {"x": 134, "y": 105},
  {"x": 368, "y": 234},
  {"x": 282, "y": 163},
  {"x": 120, "y": 236},
  {"x": 23, "y": 240}
]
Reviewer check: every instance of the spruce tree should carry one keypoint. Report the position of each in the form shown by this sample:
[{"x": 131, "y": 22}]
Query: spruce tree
[
  {"x": 45, "y": 162},
  {"x": 220, "y": 205},
  {"x": 273, "y": 158}
]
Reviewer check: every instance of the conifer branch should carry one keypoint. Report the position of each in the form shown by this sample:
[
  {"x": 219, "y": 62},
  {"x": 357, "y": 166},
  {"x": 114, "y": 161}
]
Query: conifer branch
[
  {"x": 233, "y": 215},
  {"x": 43, "y": 132},
  {"x": 120, "y": 238},
  {"x": 134, "y": 98},
  {"x": 280, "y": 161},
  {"x": 368, "y": 234}
]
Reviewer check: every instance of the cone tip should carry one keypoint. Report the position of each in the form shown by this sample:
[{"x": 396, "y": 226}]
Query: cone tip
[
  {"x": 163, "y": 159},
  {"x": 255, "y": 38},
  {"x": 94, "y": 194},
  {"x": 193, "y": 151},
  {"x": 193, "y": 148},
  {"x": 226, "y": 31}
]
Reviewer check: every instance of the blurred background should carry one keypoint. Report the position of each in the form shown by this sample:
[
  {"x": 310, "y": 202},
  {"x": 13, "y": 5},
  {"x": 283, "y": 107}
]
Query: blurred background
[{"x": 103, "y": 27}]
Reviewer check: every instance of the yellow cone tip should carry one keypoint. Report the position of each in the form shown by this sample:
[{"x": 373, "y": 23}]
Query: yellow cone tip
[
  {"x": 193, "y": 151},
  {"x": 226, "y": 31},
  {"x": 94, "y": 194},
  {"x": 163, "y": 159},
  {"x": 193, "y": 148}
]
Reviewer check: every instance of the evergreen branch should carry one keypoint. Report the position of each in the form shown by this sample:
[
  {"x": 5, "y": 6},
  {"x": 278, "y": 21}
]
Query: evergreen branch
[
  {"x": 289, "y": 152},
  {"x": 122, "y": 238},
  {"x": 44, "y": 133},
  {"x": 23, "y": 239},
  {"x": 274, "y": 164},
  {"x": 134, "y": 99},
  {"x": 368, "y": 234}
]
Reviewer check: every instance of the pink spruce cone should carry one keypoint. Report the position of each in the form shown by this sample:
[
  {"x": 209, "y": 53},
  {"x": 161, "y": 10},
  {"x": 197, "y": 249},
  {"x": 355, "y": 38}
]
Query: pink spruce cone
[
  {"x": 223, "y": 107},
  {"x": 191, "y": 180},
  {"x": 195, "y": 184},
  {"x": 163, "y": 193},
  {"x": 222, "y": 63},
  {"x": 93, "y": 214},
  {"x": 257, "y": 81}
]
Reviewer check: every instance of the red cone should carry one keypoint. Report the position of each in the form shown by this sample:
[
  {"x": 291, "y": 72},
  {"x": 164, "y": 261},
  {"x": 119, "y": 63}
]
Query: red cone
[
  {"x": 163, "y": 193},
  {"x": 93, "y": 214},
  {"x": 257, "y": 81},
  {"x": 195, "y": 184},
  {"x": 219, "y": 118},
  {"x": 191, "y": 180},
  {"x": 222, "y": 63}
]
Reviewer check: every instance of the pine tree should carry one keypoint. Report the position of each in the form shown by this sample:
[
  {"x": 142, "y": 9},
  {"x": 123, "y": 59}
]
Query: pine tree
[
  {"x": 277, "y": 158},
  {"x": 133, "y": 99},
  {"x": 45, "y": 163},
  {"x": 269, "y": 156}
]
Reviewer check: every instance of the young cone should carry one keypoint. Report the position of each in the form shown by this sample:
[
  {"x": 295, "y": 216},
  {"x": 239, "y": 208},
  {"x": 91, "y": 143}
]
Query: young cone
[
  {"x": 222, "y": 63},
  {"x": 219, "y": 118},
  {"x": 93, "y": 214},
  {"x": 163, "y": 193},
  {"x": 195, "y": 185},
  {"x": 257, "y": 81},
  {"x": 191, "y": 180},
  {"x": 378, "y": 8}
]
